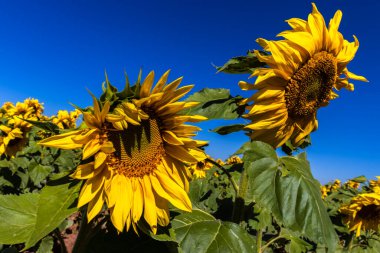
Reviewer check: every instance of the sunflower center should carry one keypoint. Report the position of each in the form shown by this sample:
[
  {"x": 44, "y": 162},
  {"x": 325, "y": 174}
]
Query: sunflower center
[
  {"x": 369, "y": 212},
  {"x": 138, "y": 149},
  {"x": 311, "y": 85}
]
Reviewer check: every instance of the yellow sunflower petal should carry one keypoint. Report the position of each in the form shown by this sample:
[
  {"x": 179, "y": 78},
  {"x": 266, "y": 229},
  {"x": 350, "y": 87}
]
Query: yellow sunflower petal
[{"x": 63, "y": 141}]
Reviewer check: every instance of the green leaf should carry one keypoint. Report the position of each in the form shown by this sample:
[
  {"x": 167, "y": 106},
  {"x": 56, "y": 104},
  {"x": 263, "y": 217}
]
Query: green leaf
[
  {"x": 263, "y": 219},
  {"x": 256, "y": 150},
  {"x": 359, "y": 179},
  {"x": 215, "y": 104},
  {"x": 241, "y": 64},
  {"x": 4, "y": 164},
  {"x": 20, "y": 162},
  {"x": 31, "y": 216},
  {"x": 56, "y": 202},
  {"x": 4, "y": 182},
  {"x": 223, "y": 130},
  {"x": 200, "y": 232},
  {"x": 18, "y": 215},
  {"x": 46, "y": 245},
  {"x": 296, "y": 245},
  {"x": 44, "y": 125},
  {"x": 289, "y": 149},
  {"x": 288, "y": 189},
  {"x": 39, "y": 173}
]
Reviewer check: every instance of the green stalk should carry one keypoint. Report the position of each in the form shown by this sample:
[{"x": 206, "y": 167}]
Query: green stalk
[
  {"x": 270, "y": 242},
  {"x": 351, "y": 243},
  {"x": 259, "y": 239},
  {"x": 238, "y": 210},
  {"x": 232, "y": 181},
  {"x": 81, "y": 242}
]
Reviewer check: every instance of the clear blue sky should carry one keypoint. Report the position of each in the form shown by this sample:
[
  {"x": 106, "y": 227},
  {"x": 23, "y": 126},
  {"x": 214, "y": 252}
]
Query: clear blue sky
[{"x": 54, "y": 50}]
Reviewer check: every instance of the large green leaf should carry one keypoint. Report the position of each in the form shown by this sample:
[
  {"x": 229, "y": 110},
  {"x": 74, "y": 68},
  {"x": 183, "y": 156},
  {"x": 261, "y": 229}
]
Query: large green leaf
[
  {"x": 241, "y": 64},
  {"x": 288, "y": 189},
  {"x": 200, "y": 232},
  {"x": 215, "y": 104},
  {"x": 256, "y": 150},
  {"x": 18, "y": 216},
  {"x": 223, "y": 130},
  {"x": 55, "y": 204},
  {"x": 29, "y": 217}
]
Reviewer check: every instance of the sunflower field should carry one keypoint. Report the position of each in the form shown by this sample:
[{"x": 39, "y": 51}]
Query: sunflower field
[{"x": 127, "y": 173}]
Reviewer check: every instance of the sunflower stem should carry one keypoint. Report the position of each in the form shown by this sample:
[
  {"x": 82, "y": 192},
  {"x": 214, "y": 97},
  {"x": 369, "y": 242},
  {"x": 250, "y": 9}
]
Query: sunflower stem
[
  {"x": 81, "y": 241},
  {"x": 238, "y": 209},
  {"x": 61, "y": 241},
  {"x": 351, "y": 242},
  {"x": 270, "y": 242},
  {"x": 232, "y": 181},
  {"x": 259, "y": 239}
]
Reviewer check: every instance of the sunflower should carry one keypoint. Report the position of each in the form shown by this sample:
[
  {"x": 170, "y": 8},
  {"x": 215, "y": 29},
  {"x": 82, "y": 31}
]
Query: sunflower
[
  {"x": 199, "y": 169},
  {"x": 304, "y": 68},
  {"x": 363, "y": 212},
  {"x": 65, "y": 119},
  {"x": 12, "y": 140},
  {"x": 325, "y": 191},
  {"x": 336, "y": 185},
  {"x": 375, "y": 185},
  {"x": 234, "y": 160},
  {"x": 352, "y": 184},
  {"x": 137, "y": 151}
]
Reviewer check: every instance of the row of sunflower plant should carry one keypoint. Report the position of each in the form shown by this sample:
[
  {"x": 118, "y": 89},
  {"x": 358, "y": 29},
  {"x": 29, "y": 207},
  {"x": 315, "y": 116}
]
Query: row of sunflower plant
[{"x": 132, "y": 178}]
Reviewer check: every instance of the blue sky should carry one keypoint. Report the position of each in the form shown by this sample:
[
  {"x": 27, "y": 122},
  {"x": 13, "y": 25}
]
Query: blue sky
[{"x": 54, "y": 50}]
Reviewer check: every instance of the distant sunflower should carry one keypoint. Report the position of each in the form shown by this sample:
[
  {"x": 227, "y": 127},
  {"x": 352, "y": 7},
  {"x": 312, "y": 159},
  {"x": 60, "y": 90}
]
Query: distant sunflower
[
  {"x": 234, "y": 160},
  {"x": 304, "y": 68},
  {"x": 375, "y": 185},
  {"x": 363, "y": 212},
  {"x": 12, "y": 140},
  {"x": 65, "y": 119},
  {"x": 200, "y": 168},
  {"x": 136, "y": 153}
]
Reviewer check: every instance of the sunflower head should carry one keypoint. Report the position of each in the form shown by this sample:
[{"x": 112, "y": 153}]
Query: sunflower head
[
  {"x": 362, "y": 213},
  {"x": 234, "y": 160},
  {"x": 12, "y": 140},
  {"x": 65, "y": 119},
  {"x": 375, "y": 185},
  {"x": 303, "y": 70},
  {"x": 336, "y": 185},
  {"x": 352, "y": 184},
  {"x": 200, "y": 168},
  {"x": 325, "y": 191},
  {"x": 137, "y": 151}
]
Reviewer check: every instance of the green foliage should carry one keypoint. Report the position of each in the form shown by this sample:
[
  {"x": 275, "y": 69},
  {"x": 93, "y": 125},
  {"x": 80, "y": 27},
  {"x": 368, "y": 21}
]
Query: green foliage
[
  {"x": 286, "y": 187},
  {"x": 20, "y": 212},
  {"x": 289, "y": 149},
  {"x": 223, "y": 130},
  {"x": 34, "y": 165},
  {"x": 44, "y": 125},
  {"x": 296, "y": 244},
  {"x": 31, "y": 216},
  {"x": 241, "y": 64},
  {"x": 200, "y": 232},
  {"x": 46, "y": 245},
  {"x": 215, "y": 104},
  {"x": 214, "y": 194}
]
